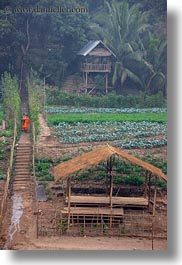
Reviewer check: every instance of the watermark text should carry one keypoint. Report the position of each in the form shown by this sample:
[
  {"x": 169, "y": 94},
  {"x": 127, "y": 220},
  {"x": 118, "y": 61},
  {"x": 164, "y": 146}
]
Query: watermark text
[{"x": 48, "y": 10}]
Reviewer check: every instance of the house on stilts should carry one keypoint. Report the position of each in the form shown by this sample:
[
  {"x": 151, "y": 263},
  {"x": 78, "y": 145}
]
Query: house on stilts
[{"x": 96, "y": 59}]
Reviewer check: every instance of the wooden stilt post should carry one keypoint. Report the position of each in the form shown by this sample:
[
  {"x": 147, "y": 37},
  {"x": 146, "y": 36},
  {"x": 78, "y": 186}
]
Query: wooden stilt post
[
  {"x": 149, "y": 190},
  {"x": 69, "y": 200},
  {"x": 110, "y": 199},
  {"x": 107, "y": 178},
  {"x": 111, "y": 190},
  {"x": 153, "y": 210},
  {"x": 106, "y": 84},
  {"x": 146, "y": 183},
  {"x": 86, "y": 83}
]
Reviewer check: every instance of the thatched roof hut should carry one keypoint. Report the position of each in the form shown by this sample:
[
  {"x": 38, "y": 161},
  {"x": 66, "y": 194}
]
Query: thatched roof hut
[
  {"x": 82, "y": 162},
  {"x": 87, "y": 160}
]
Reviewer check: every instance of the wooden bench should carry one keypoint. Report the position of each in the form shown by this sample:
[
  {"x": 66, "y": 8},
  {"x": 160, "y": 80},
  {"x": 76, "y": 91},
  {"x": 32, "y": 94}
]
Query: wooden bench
[
  {"x": 93, "y": 211},
  {"x": 104, "y": 201}
]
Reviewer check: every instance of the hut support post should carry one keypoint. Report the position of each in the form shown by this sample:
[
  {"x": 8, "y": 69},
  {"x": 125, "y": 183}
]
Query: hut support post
[
  {"x": 146, "y": 183},
  {"x": 149, "y": 190},
  {"x": 106, "y": 84},
  {"x": 110, "y": 199},
  {"x": 86, "y": 82},
  {"x": 111, "y": 190},
  {"x": 153, "y": 210},
  {"x": 69, "y": 199}
]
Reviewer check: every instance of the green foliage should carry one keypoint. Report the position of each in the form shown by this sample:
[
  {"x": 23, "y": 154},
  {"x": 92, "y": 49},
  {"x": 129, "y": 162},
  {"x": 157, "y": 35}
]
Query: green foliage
[
  {"x": 42, "y": 170},
  {"x": 63, "y": 225},
  {"x": 54, "y": 38},
  {"x": 49, "y": 43},
  {"x": 55, "y": 119},
  {"x": 127, "y": 24},
  {"x": 111, "y": 100},
  {"x": 1, "y": 114},
  {"x": 162, "y": 184},
  {"x": 128, "y": 127},
  {"x": 130, "y": 180},
  {"x": 124, "y": 173},
  {"x": 11, "y": 98},
  {"x": 36, "y": 99},
  {"x": 6, "y": 133},
  {"x": 4, "y": 157},
  {"x": 82, "y": 176}
]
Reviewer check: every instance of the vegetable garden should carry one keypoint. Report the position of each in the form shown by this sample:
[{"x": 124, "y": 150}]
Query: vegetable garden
[{"x": 128, "y": 128}]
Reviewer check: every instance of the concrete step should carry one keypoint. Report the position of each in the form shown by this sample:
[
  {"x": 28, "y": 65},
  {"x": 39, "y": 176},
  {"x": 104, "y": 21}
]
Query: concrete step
[
  {"x": 25, "y": 173},
  {"x": 22, "y": 166},
  {"x": 22, "y": 183},
  {"x": 28, "y": 153},
  {"x": 24, "y": 147},
  {"x": 24, "y": 152},
  {"x": 19, "y": 178},
  {"x": 23, "y": 159}
]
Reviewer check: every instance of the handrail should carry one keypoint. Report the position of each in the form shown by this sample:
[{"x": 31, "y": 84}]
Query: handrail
[
  {"x": 35, "y": 203},
  {"x": 96, "y": 67},
  {"x": 9, "y": 174}
]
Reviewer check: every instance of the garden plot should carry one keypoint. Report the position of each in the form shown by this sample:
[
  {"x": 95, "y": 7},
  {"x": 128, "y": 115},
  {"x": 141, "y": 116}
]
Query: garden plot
[
  {"x": 127, "y": 128},
  {"x": 105, "y": 110},
  {"x": 130, "y": 133}
]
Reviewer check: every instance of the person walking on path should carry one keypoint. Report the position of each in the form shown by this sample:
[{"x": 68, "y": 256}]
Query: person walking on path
[{"x": 25, "y": 122}]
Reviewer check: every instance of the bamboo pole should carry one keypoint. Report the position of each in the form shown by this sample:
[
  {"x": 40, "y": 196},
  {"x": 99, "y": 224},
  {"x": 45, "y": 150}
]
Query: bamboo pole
[
  {"x": 106, "y": 84},
  {"x": 153, "y": 210},
  {"x": 8, "y": 177},
  {"x": 111, "y": 190},
  {"x": 69, "y": 200},
  {"x": 86, "y": 82},
  {"x": 149, "y": 190},
  {"x": 146, "y": 183}
]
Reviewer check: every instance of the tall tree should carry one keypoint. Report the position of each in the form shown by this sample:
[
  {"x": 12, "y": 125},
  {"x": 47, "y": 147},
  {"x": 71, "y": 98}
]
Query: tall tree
[
  {"x": 44, "y": 41},
  {"x": 121, "y": 29}
]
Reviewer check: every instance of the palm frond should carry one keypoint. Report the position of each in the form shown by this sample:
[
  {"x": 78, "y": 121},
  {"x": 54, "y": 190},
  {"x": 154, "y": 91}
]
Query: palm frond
[{"x": 133, "y": 77}]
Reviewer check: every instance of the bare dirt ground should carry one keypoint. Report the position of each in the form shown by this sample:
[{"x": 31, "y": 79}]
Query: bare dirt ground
[{"x": 91, "y": 243}]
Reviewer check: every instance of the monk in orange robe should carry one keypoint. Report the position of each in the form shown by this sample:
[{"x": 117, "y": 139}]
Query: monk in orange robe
[{"x": 25, "y": 123}]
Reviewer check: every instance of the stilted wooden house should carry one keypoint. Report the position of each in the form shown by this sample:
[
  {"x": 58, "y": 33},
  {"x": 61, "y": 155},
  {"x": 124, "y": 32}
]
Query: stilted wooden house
[{"x": 95, "y": 58}]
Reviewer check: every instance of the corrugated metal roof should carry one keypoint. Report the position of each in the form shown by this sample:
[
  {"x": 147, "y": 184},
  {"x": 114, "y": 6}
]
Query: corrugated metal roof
[{"x": 90, "y": 46}]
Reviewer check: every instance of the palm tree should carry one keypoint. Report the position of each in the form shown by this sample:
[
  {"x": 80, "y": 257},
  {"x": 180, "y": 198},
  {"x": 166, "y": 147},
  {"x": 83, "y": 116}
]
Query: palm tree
[
  {"x": 121, "y": 30},
  {"x": 157, "y": 54}
]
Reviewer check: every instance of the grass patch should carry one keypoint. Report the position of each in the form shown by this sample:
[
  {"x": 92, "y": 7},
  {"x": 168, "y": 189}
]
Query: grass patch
[{"x": 42, "y": 170}]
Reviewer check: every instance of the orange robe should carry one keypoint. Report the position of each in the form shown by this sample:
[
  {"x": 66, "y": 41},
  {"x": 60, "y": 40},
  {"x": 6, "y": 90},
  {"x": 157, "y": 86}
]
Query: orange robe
[{"x": 26, "y": 122}]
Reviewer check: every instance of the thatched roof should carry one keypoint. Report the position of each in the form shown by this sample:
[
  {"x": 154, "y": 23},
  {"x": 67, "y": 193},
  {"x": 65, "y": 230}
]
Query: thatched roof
[{"x": 96, "y": 156}]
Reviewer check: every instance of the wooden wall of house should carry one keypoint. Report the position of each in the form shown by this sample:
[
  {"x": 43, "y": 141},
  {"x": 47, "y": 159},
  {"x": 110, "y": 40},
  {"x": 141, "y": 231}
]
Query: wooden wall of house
[{"x": 100, "y": 52}]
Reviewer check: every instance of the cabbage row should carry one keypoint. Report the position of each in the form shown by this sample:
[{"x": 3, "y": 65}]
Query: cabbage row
[
  {"x": 105, "y": 110},
  {"x": 131, "y": 134}
]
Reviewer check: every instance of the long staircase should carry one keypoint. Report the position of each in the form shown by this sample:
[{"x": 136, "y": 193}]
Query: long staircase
[
  {"x": 21, "y": 223},
  {"x": 22, "y": 175}
]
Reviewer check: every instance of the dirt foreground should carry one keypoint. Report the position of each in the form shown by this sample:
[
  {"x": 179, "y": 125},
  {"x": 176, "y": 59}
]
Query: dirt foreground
[{"x": 91, "y": 243}]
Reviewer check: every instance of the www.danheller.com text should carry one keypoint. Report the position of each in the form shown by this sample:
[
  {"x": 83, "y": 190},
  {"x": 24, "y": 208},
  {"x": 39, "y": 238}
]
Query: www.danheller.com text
[{"x": 38, "y": 9}]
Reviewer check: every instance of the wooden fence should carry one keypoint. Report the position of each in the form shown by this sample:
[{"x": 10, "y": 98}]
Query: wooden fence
[{"x": 133, "y": 223}]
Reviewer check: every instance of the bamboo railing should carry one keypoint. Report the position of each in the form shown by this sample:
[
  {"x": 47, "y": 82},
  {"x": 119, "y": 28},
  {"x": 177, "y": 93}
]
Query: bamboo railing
[
  {"x": 95, "y": 67},
  {"x": 35, "y": 202},
  {"x": 8, "y": 175}
]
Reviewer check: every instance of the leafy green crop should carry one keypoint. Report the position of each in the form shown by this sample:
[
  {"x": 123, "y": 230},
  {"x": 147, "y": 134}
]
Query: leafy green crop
[{"x": 55, "y": 119}]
